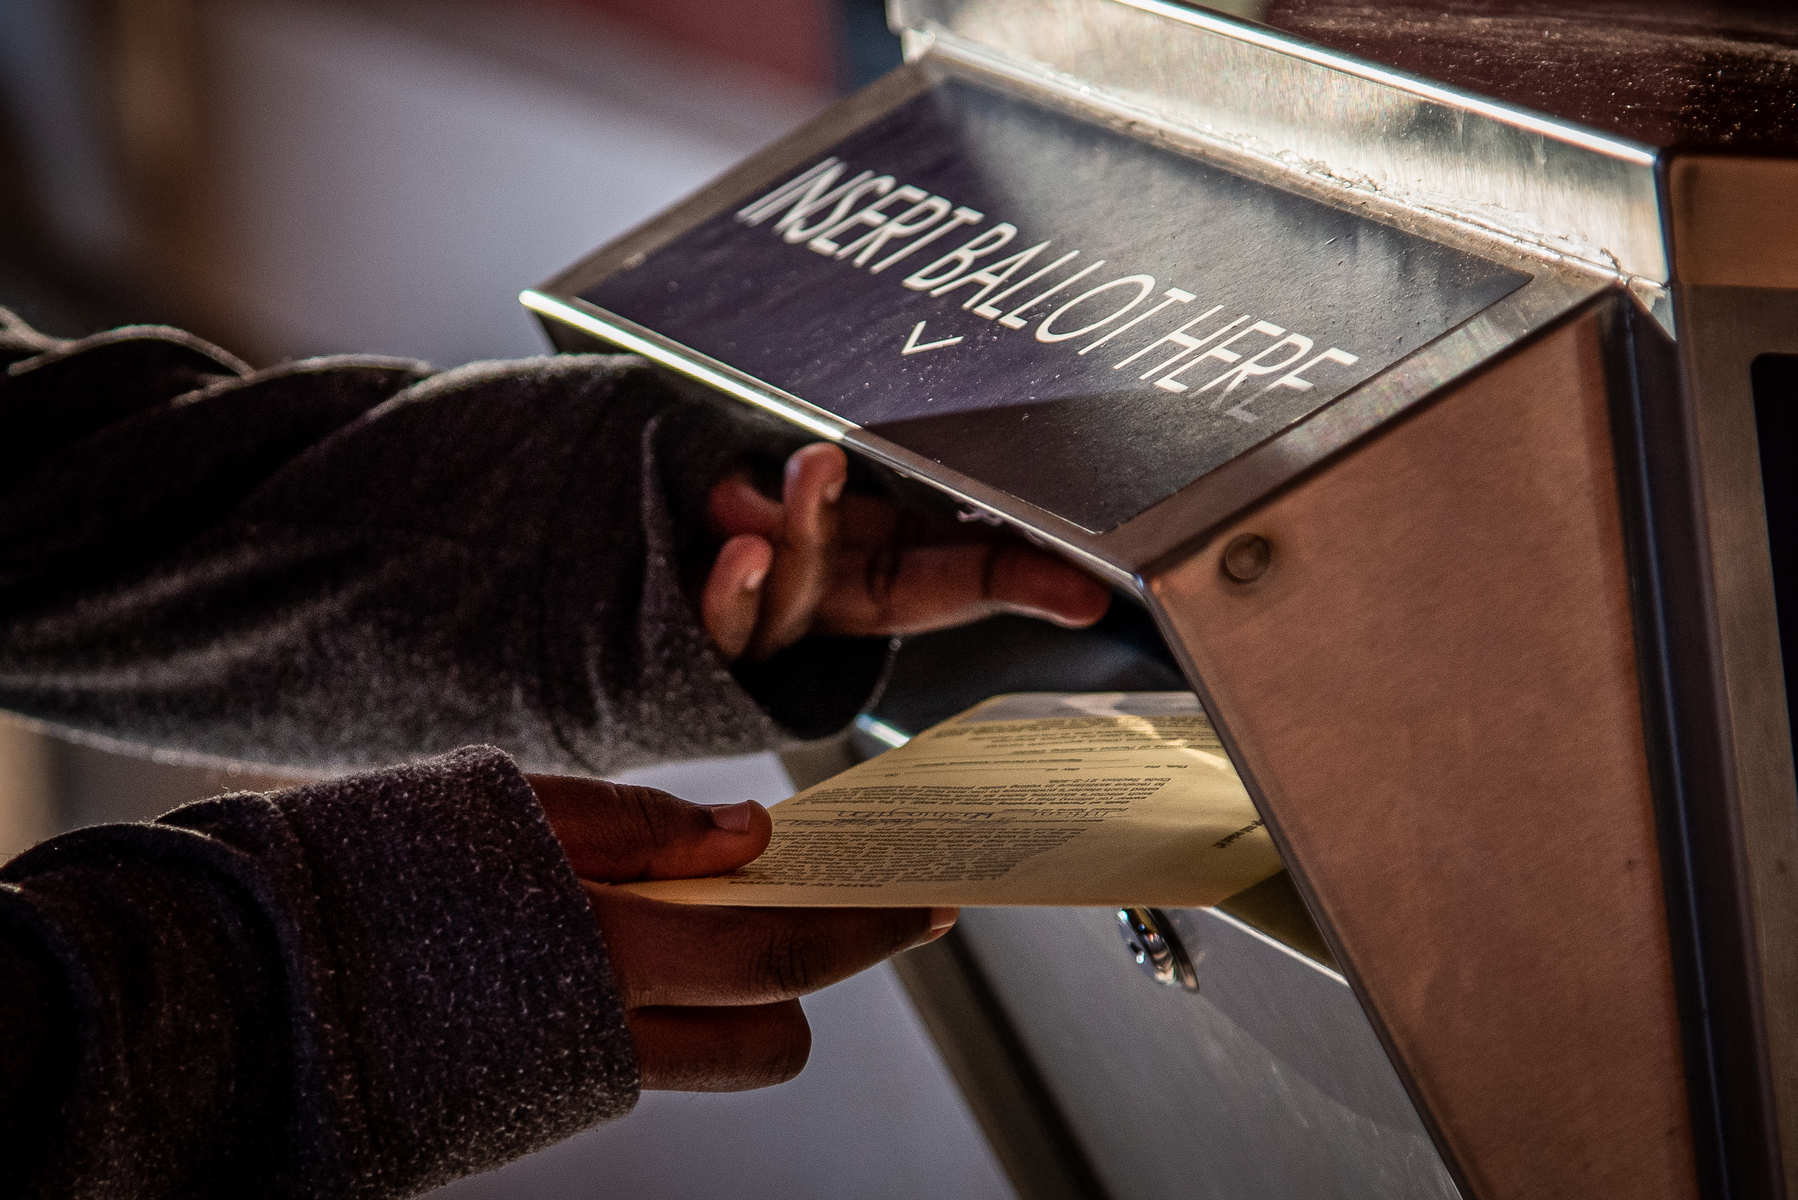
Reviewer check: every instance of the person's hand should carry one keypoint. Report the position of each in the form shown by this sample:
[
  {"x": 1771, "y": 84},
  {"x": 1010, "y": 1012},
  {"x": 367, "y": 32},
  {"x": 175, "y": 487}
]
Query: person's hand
[
  {"x": 710, "y": 994},
  {"x": 818, "y": 559}
]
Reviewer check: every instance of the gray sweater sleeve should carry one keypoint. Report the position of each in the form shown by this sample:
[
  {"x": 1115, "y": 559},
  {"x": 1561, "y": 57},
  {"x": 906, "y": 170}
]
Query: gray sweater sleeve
[
  {"x": 344, "y": 562},
  {"x": 361, "y": 988}
]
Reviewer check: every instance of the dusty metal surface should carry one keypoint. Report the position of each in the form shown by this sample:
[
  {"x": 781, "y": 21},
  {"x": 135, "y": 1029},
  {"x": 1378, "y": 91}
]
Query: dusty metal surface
[
  {"x": 1331, "y": 119},
  {"x": 1695, "y": 74}
]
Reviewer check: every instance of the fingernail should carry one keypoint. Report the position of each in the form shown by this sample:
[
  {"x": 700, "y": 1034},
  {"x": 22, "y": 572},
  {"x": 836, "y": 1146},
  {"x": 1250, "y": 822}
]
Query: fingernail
[
  {"x": 753, "y": 580},
  {"x": 941, "y": 921},
  {"x": 834, "y": 492},
  {"x": 734, "y": 818}
]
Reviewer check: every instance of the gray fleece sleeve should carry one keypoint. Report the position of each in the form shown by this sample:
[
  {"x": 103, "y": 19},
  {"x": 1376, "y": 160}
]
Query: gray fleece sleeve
[
  {"x": 339, "y": 563},
  {"x": 361, "y": 988}
]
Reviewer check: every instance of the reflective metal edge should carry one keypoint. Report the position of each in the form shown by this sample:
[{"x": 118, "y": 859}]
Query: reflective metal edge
[
  {"x": 1352, "y": 126},
  {"x": 716, "y": 375},
  {"x": 1261, "y": 935},
  {"x": 1188, "y": 516},
  {"x": 1044, "y": 527},
  {"x": 1192, "y": 513}
]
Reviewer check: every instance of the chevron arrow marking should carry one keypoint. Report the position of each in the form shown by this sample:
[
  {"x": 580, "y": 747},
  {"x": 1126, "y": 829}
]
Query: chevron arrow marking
[{"x": 914, "y": 346}]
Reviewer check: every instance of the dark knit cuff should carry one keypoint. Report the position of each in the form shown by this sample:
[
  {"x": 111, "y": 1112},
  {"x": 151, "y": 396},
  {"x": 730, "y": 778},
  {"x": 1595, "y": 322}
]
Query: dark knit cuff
[
  {"x": 474, "y": 993},
  {"x": 811, "y": 689},
  {"x": 816, "y": 686}
]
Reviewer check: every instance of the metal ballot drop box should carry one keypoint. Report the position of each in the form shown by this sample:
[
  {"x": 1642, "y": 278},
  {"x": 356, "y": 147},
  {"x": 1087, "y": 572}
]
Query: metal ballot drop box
[{"x": 1444, "y": 443}]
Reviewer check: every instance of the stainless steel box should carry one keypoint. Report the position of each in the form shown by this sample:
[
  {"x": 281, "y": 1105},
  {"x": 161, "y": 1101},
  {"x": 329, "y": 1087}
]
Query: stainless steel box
[{"x": 1497, "y": 649}]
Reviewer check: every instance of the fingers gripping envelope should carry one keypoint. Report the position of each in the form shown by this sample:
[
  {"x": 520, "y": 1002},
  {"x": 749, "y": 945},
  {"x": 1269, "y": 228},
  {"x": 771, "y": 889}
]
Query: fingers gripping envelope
[{"x": 1030, "y": 799}]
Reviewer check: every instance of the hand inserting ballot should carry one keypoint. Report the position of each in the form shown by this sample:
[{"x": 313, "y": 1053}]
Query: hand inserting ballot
[
  {"x": 710, "y": 993},
  {"x": 822, "y": 560}
]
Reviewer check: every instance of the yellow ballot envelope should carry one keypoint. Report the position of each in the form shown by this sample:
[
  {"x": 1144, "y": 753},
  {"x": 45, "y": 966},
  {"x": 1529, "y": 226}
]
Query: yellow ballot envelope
[{"x": 1031, "y": 799}]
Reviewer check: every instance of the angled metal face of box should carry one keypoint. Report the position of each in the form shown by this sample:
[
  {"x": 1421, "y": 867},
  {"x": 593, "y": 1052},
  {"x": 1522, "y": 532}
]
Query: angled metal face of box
[
  {"x": 1084, "y": 320},
  {"x": 1139, "y": 280},
  {"x": 1066, "y": 326}
]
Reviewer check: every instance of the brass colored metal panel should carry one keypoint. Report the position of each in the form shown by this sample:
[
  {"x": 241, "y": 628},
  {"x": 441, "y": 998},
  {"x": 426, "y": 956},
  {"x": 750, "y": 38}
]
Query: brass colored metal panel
[
  {"x": 1734, "y": 221},
  {"x": 1731, "y": 326},
  {"x": 1433, "y": 688}
]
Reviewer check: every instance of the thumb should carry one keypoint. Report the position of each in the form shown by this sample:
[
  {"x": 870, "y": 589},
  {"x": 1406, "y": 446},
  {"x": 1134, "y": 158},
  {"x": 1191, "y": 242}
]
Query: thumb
[{"x": 615, "y": 832}]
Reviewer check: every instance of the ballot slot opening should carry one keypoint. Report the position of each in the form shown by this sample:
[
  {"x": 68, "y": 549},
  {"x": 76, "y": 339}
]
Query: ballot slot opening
[
  {"x": 939, "y": 674},
  {"x": 1775, "y": 383}
]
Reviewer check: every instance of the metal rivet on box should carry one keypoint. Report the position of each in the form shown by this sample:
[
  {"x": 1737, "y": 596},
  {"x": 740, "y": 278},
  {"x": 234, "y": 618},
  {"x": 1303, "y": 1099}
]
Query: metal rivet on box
[{"x": 1246, "y": 557}]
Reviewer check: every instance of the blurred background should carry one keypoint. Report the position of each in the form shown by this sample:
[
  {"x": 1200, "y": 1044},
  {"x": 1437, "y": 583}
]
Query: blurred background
[{"x": 299, "y": 177}]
